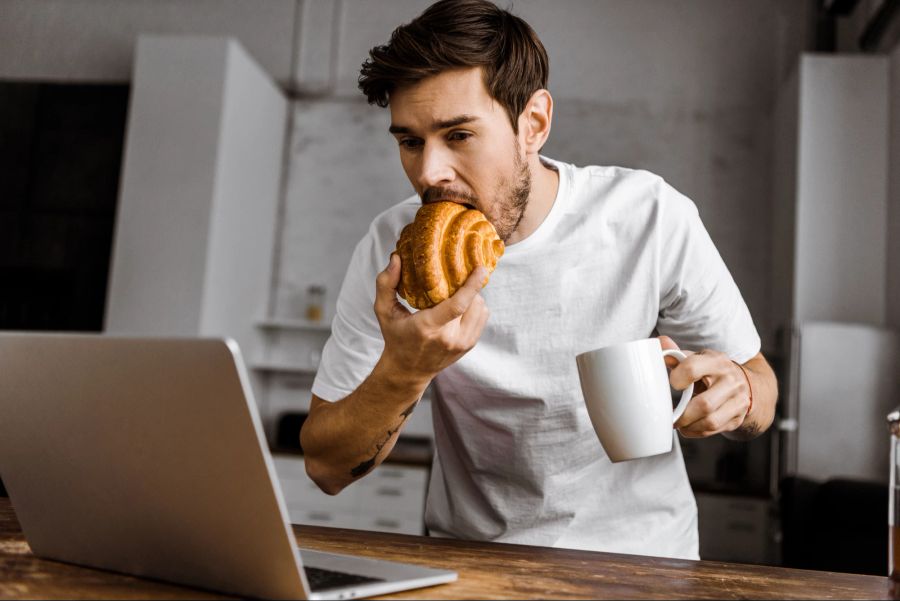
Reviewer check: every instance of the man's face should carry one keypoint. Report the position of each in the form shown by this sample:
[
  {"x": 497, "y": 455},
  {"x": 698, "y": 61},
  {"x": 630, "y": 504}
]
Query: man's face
[{"x": 457, "y": 144}]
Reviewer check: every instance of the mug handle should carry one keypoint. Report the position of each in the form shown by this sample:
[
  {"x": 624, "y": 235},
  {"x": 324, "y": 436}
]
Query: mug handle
[{"x": 687, "y": 393}]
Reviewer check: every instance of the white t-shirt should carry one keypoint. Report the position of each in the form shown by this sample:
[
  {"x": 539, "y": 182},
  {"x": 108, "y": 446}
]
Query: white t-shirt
[{"x": 621, "y": 253}]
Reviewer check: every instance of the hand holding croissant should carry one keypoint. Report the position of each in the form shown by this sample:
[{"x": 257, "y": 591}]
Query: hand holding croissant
[{"x": 440, "y": 248}]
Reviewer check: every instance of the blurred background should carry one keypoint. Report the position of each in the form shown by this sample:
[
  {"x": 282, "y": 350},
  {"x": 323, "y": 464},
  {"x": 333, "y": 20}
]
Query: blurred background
[{"x": 205, "y": 167}]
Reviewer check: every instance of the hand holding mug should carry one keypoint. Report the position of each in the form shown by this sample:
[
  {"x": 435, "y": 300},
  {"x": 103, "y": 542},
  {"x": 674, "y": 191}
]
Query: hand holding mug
[{"x": 722, "y": 398}]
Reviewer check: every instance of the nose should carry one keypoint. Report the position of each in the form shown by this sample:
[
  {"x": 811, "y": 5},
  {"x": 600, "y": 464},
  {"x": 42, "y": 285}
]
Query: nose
[{"x": 436, "y": 167}]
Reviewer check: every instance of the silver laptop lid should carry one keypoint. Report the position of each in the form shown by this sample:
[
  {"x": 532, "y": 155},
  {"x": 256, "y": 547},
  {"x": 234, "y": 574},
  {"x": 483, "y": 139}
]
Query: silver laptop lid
[{"x": 96, "y": 430}]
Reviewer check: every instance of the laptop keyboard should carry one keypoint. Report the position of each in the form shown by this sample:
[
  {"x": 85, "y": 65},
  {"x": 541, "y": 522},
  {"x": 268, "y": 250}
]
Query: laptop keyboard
[{"x": 320, "y": 579}]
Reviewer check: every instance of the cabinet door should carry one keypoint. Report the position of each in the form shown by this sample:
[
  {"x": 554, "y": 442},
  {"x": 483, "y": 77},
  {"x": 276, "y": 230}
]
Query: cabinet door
[
  {"x": 390, "y": 499},
  {"x": 307, "y": 504},
  {"x": 393, "y": 499}
]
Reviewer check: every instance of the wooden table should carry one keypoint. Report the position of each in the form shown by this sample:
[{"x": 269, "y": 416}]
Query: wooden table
[{"x": 486, "y": 571}]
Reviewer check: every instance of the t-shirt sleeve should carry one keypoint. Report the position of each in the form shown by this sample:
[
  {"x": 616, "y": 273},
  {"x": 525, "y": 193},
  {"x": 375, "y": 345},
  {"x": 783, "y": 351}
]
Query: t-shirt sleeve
[
  {"x": 355, "y": 343},
  {"x": 700, "y": 304}
]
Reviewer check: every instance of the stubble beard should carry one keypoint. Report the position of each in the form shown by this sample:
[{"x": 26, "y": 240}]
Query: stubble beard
[{"x": 514, "y": 197}]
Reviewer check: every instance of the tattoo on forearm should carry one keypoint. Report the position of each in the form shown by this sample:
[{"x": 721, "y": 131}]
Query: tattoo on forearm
[
  {"x": 368, "y": 464},
  {"x": 408, "y": 411},
  {"x": 363, "y": 467}
]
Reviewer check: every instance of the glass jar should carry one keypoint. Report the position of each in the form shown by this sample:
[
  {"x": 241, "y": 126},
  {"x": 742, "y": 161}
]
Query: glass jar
[
  {"x": 893, "y": 419},
  {"x": 315, "y": 303}
]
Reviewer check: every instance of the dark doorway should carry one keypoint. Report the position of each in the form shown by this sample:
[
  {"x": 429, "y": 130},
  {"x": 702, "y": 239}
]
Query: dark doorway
[{"x": 60, "y": 156}]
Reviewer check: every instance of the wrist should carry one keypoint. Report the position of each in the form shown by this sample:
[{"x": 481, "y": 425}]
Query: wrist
[
  {"x": 749, "y": 389},
  {"x": 398, "y": 379}
]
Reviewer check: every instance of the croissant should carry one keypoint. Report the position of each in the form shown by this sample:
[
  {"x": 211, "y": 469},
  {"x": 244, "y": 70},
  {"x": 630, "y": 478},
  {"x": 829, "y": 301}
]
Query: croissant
[{"x": 445, "y": 242}]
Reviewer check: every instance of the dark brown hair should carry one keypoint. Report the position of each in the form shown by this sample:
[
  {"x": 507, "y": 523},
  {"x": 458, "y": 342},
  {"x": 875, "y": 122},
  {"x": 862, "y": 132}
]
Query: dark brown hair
[{"x": 461, "y": 33}]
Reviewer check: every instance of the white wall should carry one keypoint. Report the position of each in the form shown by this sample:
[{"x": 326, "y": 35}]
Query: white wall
[{"x": 93, "y": 40}]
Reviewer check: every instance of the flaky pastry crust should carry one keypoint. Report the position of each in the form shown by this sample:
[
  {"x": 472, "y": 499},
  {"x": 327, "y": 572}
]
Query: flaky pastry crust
[{"x": 440, "y": 248}]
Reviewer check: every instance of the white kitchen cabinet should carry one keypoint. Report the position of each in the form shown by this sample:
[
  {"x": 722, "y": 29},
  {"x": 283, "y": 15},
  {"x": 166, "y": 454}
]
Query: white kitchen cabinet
[
  {"x": 390, "y": 499},
  {"x": 200, "y": 192}
]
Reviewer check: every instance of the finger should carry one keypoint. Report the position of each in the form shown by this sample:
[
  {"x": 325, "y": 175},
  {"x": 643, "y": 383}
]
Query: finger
[
  {"x": 728, "y": 417},
  {"x": 386, "y": 287},
  {"x": 667, "y": 343},
  {"x": 456, "y": 305},
  {"x": 699, "y": 407},
  {"x": 473, "y": 320},
  {"x": 485, "y": 315},
  {"x": 694, "y": 368},
  {"x": 714, "y": 408}
]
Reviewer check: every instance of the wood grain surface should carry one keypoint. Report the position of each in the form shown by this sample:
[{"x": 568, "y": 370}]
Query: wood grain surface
[{"x": 486, "y": 571}]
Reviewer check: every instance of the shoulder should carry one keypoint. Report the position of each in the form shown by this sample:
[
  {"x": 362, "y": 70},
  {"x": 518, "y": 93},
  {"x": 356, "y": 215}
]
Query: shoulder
[{"x": 621, "y": 189}]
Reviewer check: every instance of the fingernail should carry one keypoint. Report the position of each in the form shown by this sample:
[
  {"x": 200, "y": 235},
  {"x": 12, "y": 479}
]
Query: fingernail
[{"x": 481, "y": 273}]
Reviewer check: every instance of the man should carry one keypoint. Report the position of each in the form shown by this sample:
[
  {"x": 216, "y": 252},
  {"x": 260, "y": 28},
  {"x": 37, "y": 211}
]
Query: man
[{"x": 595, "y": 256}]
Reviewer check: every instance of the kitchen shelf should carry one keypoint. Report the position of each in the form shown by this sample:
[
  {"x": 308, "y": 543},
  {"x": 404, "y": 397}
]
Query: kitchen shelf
[{"x": 283, "y": 323}]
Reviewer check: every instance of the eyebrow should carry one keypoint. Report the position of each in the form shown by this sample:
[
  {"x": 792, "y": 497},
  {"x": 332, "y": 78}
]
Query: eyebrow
[{"x": 437, "y": 125}]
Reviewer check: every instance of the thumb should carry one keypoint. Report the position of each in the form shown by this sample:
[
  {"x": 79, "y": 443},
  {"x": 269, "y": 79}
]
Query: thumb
[
  {"x": 386, "y": 285},
  {"x": 457, "y": 304}
]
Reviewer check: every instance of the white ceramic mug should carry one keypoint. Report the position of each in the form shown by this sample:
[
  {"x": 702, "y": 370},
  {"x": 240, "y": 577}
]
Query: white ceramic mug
[{"x": 626, "y": 390}]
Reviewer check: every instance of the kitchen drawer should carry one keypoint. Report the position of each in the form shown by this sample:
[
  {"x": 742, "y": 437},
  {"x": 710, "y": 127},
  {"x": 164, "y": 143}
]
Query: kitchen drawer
[
  {"x": 397, "y": 476},
  {"x": 392, "y": 499},
  {"x": 322, "y": 517},
  {"x": 387, "y": 523}
]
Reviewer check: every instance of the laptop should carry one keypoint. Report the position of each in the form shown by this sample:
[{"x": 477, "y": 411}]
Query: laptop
[{"x": 147, "y": 456}]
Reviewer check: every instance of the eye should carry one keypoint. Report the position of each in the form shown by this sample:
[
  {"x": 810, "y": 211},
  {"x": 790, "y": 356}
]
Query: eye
[
  {"x": 459, "y": 136},
  {"x": 409, "y": 143}
]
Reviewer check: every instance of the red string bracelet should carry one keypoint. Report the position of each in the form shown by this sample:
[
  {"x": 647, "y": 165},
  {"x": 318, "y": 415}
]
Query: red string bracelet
[{"x": 749, "y": 387}]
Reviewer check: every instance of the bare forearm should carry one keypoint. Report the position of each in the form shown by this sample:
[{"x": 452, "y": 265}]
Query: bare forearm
[
  {"x": 344, "y": 440},
  {"x": 765, "y": 395}
]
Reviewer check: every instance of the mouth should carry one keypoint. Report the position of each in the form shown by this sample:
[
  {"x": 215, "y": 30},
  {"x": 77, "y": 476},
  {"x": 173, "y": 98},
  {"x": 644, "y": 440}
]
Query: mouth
[
  {"x": 468, "y": 205},
  {"x": 446, "y": 194}
]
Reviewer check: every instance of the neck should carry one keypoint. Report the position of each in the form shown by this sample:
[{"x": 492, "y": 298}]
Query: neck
[{"x": 544, "y": 186}]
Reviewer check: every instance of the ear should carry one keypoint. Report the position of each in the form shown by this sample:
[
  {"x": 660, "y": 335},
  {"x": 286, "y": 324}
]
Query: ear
[{"x": 534, "y": 122}]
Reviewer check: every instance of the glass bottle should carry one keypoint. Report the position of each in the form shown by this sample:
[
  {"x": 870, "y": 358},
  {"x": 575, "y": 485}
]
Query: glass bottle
[
  {"x": 315, "y": 303},
  {"x": 893, "y": 419}
]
